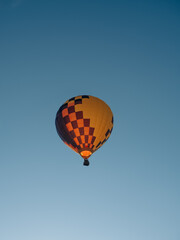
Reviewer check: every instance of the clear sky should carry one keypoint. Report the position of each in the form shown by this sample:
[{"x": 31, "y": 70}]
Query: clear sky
[{"x": 128, "y": 54}]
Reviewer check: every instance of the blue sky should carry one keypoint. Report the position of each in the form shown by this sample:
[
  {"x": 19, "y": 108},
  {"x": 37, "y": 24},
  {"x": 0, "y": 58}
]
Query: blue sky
[{"x": 128, "y": 54}]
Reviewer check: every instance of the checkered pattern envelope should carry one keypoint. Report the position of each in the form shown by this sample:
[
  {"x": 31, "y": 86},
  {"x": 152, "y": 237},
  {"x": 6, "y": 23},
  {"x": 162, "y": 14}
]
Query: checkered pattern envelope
[{"x": 84, "y": 123}]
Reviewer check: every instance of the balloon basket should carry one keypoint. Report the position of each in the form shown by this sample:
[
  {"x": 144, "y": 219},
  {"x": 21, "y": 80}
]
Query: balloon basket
[{"x": 86, "y": 162}]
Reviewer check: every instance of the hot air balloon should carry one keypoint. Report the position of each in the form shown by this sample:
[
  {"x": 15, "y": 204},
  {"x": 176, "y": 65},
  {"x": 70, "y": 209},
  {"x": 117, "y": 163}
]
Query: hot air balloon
[{"x": 84, "y": 123}]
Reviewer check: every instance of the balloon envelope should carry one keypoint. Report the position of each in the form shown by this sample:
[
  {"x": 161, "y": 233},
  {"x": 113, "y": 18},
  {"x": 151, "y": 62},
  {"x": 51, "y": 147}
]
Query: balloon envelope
[{"x": 84, "y": 123}]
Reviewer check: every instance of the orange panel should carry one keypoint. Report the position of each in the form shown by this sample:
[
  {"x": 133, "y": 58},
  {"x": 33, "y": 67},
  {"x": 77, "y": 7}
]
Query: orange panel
[
  {"x": 86, "y": 130},
  {"x": 69, "y": 126},
  {"x": 77, "y": 133},
  {"x": 72, "y": 116},
  {"x": 64, "y": 112},
  {"x": 76, "y": 141},
  {"x": 80, "y": 123},
  {"x": 83, "y": 139},
  {"x": 71, "y": 104},
  {"x": 89, "y": 139}
]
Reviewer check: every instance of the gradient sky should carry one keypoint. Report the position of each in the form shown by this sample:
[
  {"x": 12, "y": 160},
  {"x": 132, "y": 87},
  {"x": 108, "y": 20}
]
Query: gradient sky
[{"x": 128, "y": 54}]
